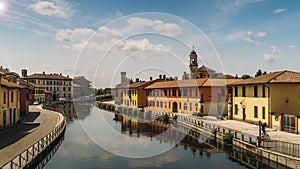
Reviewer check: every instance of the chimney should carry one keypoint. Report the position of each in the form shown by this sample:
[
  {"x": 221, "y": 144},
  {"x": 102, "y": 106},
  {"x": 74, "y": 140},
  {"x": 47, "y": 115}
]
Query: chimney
[
  {"x": 175, "y": 77},
  {"x": 67, "y": 76},
  {"x": 137, "y": 80},
  {"x": 164, "y": 77},
  {"x": 24, "y": 73},
  {"x": 60, "y": 74},
  {"x": 43, "y": 73},
  {"x": 123, "y": 77},
  {"x": 151, "y": 78},
  {"x": 160, "y": 76}
]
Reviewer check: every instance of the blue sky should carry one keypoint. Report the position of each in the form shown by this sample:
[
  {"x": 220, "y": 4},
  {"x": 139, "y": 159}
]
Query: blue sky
[{"x": 55, "y": 36}]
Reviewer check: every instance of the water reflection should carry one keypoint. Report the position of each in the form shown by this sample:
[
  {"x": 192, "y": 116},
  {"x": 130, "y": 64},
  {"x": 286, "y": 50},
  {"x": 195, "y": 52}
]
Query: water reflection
[{"x": 79, "y": 151}]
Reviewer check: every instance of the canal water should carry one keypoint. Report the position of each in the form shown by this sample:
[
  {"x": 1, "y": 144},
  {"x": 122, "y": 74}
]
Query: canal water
[{"x": 80, "y": 149}]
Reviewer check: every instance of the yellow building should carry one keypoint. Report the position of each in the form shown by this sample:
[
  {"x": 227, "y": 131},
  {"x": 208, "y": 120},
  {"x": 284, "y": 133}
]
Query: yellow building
[
  {"x": 9, "y": 103},
  {"x": 267, "y": 96},
  {"x": 134, "y": 95}
]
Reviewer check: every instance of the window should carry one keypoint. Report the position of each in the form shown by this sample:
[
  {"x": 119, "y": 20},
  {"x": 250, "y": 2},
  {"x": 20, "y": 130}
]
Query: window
[
  {"x": 184, "y": 106},
  {"x": 169, "y": 105},
  {"x": 169, "y": 94},
  {"x": 179, "y": 92},
  {"x": 263, "y": 91},
  {"x": 191, "y": 107},
  {"x": 236, "y": 91},
  {"x": 255, "y": 111},
  {"x": 196, "y": 92},
  {"x": 244, "y": 91},
  {"x": 161, "y": 104},
  {"x": 4, "y": 97},
  {"x": 173, "y": 92},
  {"x": 179, "y": 105},
  {"x": 157, "y": 103},
  {"x": 236, "y": 109},
  {"x": 64, "y": 89},
  {"x": 196, "y": 107},
  {"x": 165, "y": 104},
  {"x": 255, "y": 91},
  {"x": 12, "y": 96},
  {"x": 184, "y": 92},
  {"x": 191, "y": 93},
  {"x": 223, "y": 92},
  {"x": 263, "y": 113},
  {"x": 165, "y": 92}
]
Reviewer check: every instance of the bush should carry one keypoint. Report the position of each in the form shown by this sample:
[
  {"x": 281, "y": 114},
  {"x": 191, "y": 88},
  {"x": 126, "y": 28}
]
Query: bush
[
  {"x": 165, "y": 119},
  {"x": 227, "y": 138}
]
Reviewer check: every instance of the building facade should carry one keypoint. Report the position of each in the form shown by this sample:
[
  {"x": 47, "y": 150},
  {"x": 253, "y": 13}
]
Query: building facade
[
  {"x": 9, "y": 99},
  {"x": 205, "y": 96},
  {"x": 118, "y": 91},
  {"x": 272, "y": 98},
  {"x": 60, "y": 87},
  {"x": 82, "y": 87},
  {"x": 134, "y": 95}
]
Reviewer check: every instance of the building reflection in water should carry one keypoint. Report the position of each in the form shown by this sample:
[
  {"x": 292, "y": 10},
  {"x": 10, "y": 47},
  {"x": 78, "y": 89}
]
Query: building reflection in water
[
  {"x": 74, "y": 110},
  {"x": 134, "y": 128}
]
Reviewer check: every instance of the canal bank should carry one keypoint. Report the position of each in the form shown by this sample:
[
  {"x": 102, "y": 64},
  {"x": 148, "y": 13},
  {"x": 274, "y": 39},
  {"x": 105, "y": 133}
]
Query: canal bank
[
  {"x": 24, "y": 142},
  {"x": 283, "y": 148}
]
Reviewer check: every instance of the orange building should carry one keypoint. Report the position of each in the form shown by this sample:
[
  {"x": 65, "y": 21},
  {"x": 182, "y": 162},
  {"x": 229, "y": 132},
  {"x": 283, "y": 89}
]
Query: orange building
[{"x": 205, "y": 96}]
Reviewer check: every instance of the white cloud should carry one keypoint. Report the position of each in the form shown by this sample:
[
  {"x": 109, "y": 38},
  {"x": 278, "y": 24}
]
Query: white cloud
[
  {"x": 107, "y": 32},
  {"x": 279, "y": 10},
  {"x": 269, "y": 57},
  {"x": 75, "y": 34},
  {"x": 275, "y": 49},
  {"x": 249, "y": 40},
  {"x": 171, "y": 29},
  {"x": 235, "y": 36},
  {"x": 49, "y": 9},
  {"x": 137, "y": 45},
  {"x": 137, "y": 23},
  {"x": 292, "y": 46},
  {"x": 250, "y": 33},
  {"x": 257, "y": 34},
  {"x": 261, "y": 34}
]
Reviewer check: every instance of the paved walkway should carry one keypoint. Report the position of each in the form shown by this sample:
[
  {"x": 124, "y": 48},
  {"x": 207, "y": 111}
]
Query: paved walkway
[
  {"x": 252, "y": 129},
  {"x": 17, "y": 139}
]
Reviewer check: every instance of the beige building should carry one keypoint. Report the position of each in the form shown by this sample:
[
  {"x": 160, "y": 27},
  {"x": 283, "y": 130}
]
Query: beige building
[
  {"x": 272, "y": 98},
  {"x": 60, "y": 87}
]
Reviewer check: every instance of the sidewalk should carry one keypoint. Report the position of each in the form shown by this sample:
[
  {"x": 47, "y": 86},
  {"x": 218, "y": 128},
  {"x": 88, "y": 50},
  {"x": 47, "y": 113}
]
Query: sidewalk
[
  {"x": 252, "y": 129},
  {"x": 17, "y": 139}
]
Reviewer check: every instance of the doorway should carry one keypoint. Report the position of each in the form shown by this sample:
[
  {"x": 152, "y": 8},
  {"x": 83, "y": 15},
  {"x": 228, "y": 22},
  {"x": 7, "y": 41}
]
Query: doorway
[{"x": 175, "y": 107}]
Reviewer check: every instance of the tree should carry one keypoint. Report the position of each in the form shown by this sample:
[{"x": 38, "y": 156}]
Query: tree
[{"x": 258, "y": 73}]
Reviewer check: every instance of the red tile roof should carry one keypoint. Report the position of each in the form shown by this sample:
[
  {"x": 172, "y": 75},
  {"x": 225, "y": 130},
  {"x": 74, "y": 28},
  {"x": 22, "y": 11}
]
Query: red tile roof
[
  {"x": 275, "y": 77},
  {"x": 205, "y": 82},
  {"x": 48, "y": 76}
]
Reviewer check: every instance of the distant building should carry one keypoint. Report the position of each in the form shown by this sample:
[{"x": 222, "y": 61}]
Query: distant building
[
  {"x": 117, "y": 92},
  {"x": 271, "y": 98},
  {"x": 82, "y": 87},
  {"x": 60, "y": 87},
  {"x": 135, "y": 95},
  {"x": 202, "y": 72}
]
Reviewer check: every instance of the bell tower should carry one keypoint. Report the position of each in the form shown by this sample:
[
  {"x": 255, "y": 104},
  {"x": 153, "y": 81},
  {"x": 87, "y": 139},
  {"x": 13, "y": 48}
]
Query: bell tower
[{"x": 193, "y": 64}]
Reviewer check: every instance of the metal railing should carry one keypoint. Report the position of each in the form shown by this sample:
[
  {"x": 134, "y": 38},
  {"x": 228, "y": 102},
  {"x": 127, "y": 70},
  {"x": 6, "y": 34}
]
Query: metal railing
[
  {"x": 34, "y": 150},
  {"x": 283, "y": 147}
]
